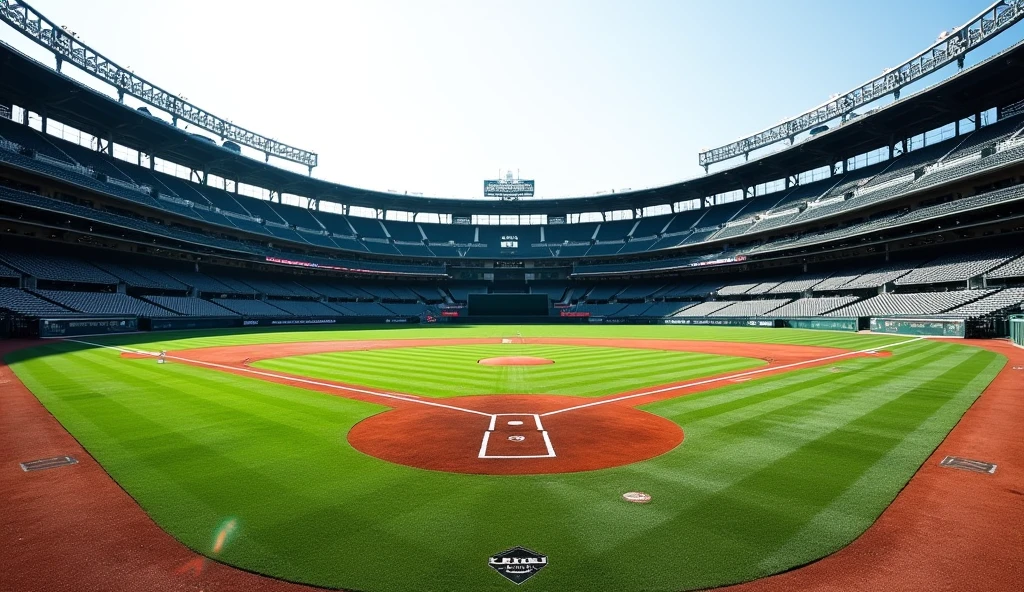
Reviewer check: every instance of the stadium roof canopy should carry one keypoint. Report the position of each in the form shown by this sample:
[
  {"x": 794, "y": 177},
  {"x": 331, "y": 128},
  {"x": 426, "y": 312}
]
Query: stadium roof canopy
[{"x": 998, "y": 81}]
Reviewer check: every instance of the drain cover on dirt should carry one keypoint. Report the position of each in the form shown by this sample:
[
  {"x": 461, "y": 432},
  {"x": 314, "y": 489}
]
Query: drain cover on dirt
[
  {"x": 966, "y": 464},
  {"x": 47, "y": 463}
]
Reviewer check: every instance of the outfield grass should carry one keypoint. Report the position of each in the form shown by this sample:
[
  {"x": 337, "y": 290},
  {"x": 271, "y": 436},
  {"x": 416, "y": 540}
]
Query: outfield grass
[
  {"x": 773, "y": 473},
  {"x": 453, "y": 371}
]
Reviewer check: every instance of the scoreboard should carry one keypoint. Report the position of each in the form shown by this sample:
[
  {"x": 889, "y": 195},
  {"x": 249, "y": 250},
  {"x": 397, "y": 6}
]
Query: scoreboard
[
  {"x": 508, "y": 189},
  {"x": 508, "y": 305}
]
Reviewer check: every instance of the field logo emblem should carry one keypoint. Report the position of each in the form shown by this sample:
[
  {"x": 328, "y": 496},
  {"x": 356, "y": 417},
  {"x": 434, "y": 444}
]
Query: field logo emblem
[{"x": 518, "y": 564}]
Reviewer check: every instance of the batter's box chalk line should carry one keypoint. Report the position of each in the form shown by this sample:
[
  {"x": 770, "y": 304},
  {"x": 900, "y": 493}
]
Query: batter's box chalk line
[{"x": 516, "y": 438}]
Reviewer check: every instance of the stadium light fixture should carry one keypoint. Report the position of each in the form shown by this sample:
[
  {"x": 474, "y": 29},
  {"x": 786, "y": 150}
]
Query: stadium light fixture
[
  {"x": 950, "y": 47},
  {"x": 65, "y": 46}
]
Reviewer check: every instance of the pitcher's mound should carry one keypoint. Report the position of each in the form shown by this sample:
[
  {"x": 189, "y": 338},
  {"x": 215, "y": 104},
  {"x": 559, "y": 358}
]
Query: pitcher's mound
[{"x": 515, "y": 361}]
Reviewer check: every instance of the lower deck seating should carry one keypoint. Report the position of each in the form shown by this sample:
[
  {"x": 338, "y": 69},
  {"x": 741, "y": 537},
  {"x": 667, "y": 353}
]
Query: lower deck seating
[
  {"x": 634, "y": 309},
  {"x": 927, "y": 303},
  {"x": 190, "y": 306},
  {"x": 599, "y": 309},
  {"x": 105, "y": 303},
  {"x": 21, "y": 302},
  {"x": 57, "y": 268},
  {"x": 1010, "y": 298},
  {"x": 407, "y": 309},
  {"x": 304, "y": 308},
  {"x": 703, "y": 309},
  {"x": 251, "y": 308},
  {"x": 811, "y": 307},
  {"x": 750, "y": 308},
  {"x": 363, "y": 309}
]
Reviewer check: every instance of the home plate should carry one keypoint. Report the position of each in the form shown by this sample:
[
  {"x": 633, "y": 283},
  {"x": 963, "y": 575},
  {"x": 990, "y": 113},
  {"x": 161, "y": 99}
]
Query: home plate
[
  {"x": 637, "y": 497},
  {"x": 515, "y": 422}
]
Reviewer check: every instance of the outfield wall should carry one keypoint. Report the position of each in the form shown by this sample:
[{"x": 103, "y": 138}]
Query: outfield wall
[
  {"x": 817, "y": 323},
  {"x": 87, "y": 326},
  {"x": 915, "y": 326},
  {"x": 179, "y": 323},
  {"x": 823, "y": 323},
  {"x": 937, "y": 327},
  {"x": 70, "y": 327}
]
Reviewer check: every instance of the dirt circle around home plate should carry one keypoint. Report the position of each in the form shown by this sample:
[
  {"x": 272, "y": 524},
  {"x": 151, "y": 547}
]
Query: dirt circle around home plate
[{"x": 515, "y": 435}]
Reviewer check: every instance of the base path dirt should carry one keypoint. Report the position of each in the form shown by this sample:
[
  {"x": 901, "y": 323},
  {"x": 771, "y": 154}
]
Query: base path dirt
[{"x": 74, "y": 529}]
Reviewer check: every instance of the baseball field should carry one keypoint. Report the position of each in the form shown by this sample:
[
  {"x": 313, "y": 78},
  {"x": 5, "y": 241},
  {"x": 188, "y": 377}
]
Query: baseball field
[{"x": 405, "y": 459}]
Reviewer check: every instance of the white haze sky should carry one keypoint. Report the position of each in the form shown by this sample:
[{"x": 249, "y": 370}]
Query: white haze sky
[{"x": 435, "y": 96}]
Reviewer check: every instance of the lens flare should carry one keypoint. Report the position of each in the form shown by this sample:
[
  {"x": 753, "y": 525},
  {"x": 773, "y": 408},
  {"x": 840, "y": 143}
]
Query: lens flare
[{"x": 224, "y": 535}]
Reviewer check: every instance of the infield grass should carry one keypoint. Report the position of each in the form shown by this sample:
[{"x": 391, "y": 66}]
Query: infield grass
[
  {"x": 450, "y": 371},
  {"x": 774, "y": 472}
]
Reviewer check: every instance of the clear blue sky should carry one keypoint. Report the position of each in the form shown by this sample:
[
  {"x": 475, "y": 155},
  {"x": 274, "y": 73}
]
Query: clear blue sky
[{"x": 435, "y": 96}]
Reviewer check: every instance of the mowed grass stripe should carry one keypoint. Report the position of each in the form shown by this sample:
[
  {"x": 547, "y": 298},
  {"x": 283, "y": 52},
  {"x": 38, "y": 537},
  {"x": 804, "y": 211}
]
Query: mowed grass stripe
[
  {"x": 782, "y": 402},
  {"x": 350, "y": 521},
  {"x": 714, "y": 459},
  {"x": 454, "y": 371},
  {"x": 449, "y": 382},
  {"x": 902, "y": 456},
  {"x": 187, "y": 448},
  {"x": 799, "y": 484},
  {"x": 791, "y": 476}
]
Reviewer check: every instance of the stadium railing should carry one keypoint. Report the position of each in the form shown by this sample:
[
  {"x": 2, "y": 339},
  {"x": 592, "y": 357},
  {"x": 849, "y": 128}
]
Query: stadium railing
[{"x": 1017, "y": 330}]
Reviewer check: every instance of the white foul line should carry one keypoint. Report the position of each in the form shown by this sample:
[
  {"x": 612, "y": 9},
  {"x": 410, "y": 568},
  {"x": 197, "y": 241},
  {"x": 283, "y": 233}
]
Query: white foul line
[
  {"x": 726, "y": 377},
  {"x": 289, "y": 378}
]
